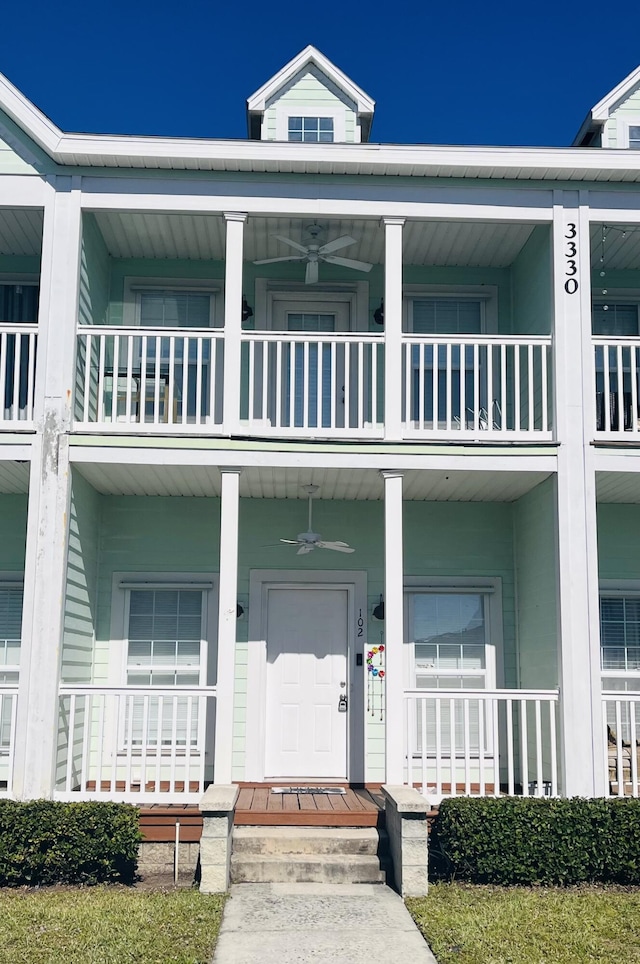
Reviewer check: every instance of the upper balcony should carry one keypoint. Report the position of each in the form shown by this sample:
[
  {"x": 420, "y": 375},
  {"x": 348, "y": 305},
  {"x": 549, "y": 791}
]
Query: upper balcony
[
  {"x": 615, "y": 284},
  {"x": 471, "y": 359},
  {"x": 20, "y": 251}
]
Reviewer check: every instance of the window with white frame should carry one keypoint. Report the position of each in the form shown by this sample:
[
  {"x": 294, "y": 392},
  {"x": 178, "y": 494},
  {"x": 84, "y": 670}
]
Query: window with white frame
[
  {"x": 449, "y": 649},
  {"x": 165, "y": 647},
  {"x": 617, "y": 319},
  {"x": 620, "y": 652},
  {"x": 634, "y": 137},
  {"x": 310, "y": 129}
]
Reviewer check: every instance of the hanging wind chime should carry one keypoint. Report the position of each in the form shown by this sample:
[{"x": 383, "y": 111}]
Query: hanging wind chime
[{"x": 375, "y": 681}]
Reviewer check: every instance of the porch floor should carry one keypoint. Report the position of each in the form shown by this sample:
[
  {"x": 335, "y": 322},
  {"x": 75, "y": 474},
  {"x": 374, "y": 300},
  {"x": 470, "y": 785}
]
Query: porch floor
[{"x": 357, "y": 807}]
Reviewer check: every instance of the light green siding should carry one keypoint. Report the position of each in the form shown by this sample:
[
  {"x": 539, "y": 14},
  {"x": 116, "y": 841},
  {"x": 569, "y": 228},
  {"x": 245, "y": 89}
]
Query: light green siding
[
  {"x": 628, "y": 110},
  {"x": 535, "y": 561},
  {"x": 619, "y": 541},
  {"x": 309, "y": 91},
  {"x": 81, "y": 594},
  {"x": 531, "y": 279},
  {"x": 13, "y": 525},
  {"x": 94, "y": 275}
]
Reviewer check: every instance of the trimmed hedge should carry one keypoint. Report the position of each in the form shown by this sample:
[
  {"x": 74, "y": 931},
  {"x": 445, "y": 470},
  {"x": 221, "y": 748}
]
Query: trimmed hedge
[
  {"x": 527, "y": 841},
  {"x": 45, "y": 842}
]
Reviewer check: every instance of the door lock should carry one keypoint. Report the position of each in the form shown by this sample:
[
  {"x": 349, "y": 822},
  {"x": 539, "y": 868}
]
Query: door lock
[{"x": 342, "y": 703}]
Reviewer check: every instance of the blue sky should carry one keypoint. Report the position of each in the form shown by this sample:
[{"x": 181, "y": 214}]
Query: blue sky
[{"x": 449, "y": 73}]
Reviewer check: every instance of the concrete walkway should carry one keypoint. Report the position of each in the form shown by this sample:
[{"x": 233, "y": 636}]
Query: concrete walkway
[{"x": 301, "y": 923}]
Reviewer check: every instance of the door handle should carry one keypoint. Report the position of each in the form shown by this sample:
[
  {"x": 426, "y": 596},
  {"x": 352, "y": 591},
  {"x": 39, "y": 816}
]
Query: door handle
[{"x": 342, "y": 703}]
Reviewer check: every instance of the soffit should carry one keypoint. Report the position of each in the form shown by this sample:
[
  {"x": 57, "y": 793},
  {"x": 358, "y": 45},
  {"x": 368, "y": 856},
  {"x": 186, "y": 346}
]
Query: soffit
[
  {"x": 620, "y": 252},
  {"x": 14, "y": 477},
  {"x": 20, "y": 232},
  {"x": 202, "y": 237},
  {"x": 288, "y": 483},
  {"x": 618, "y": 487}
]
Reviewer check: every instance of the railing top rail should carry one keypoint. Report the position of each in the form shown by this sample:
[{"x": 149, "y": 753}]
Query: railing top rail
[
  {"x": 9, "y": 689},
  {"x": 522, "y": 340},
  {"x": 604, "y": 341},
  {"x": 91, "y": 689},
  {"x": 315, "y": 336},
  {"x": 18, "y": 328},
  {"x": 139, "y": 331},
  {"x": 627, "y": 697},
  {"x": 552, "y": 695}
]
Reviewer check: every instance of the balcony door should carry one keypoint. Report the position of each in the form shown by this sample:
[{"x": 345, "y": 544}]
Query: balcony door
[{"x": 312, "y": 370}]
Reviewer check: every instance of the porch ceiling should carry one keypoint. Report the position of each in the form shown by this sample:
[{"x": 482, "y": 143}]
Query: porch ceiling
[
  {"x": 20, "y": 231},
  {"x": 287, "y": 483},
  {"x": 202, "y": 237},
  {"x": 618, "y": 487},
  {"x": 620, "y": 253},
  {"x": 14, "y": 477}
]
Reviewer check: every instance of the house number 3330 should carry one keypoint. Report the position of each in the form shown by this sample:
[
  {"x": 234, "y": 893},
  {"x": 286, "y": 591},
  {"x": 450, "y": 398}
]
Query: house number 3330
[{"x": 571, "y": 264}]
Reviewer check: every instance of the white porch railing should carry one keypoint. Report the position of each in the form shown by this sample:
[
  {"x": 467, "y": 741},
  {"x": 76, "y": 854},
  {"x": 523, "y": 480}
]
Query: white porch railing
[
  {"x": 8, "y": 711},
  {"x": 17, "y": 374},
  {"x": 481, "y": 742},
  {"x": 312, "y": 385},
  {"x": 621, "y": 717},
  {"x": 145, "y": 744},
  {"x": 472, "y": 387},
  {"x": 617, "y": 380},
  {"x": 165, "y": 380}
]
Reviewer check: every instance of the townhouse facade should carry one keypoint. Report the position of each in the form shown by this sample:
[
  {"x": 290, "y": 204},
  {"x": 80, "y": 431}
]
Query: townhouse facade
[{"x": 319, "y": 458}]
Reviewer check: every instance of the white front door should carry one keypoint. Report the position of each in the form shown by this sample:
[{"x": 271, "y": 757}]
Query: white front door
[{"x": 306, "y": 734}]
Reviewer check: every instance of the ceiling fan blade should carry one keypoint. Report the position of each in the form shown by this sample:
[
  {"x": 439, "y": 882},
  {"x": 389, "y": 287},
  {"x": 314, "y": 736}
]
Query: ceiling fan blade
[
  {"x": 292, "y": 244},
  {"x": 311, "y": 274},
  {"x": 291, "y": 542},
  {"x": 342, "y": 242},
  {"x": 304, "y": 550},
  {"x": 348, "y": 262},
  {"x": 291, "y": 257},
  {"x": 336, "y": 546}
]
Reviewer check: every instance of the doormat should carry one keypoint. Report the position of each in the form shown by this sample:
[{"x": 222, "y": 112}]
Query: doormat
[{"x": 308, "y": 790}]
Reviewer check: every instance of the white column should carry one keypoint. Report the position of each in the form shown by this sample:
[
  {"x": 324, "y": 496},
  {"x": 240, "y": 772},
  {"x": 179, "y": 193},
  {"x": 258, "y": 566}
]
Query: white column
[
  {"x": 227, "y": 616},
  {"x": 581, "y": 729},
  {"x": 49, "y": 494},
  {"x": 233, "y": 321},
  {"x": 393, "y": 328},
  {"x": 394, "y": 627}
]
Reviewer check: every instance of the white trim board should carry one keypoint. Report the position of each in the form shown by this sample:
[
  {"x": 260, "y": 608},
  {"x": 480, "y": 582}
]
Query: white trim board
[{"x": 260, "y": 580}]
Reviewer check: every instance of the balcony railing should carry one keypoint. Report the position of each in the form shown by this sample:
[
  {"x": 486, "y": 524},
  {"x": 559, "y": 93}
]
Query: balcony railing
[
  {"x": 617, "y": 380},
  {"x": 477, "y": 386},
  {"x": 8, "y": 711},
  {"x": 481, "y": 742},
  {"x": 17, "y": 374},
  {"x": 168, "y": 381},
  {"x": 140, "y": 744},
  {"x": 313, "y": 385},
  {"x": 621, "y": 716}
]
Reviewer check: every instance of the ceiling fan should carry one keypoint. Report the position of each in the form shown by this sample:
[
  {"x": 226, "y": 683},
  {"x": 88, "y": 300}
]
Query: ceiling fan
[
  {"x": 310, "y": 540},
  {"x": 315, "y": 251}
]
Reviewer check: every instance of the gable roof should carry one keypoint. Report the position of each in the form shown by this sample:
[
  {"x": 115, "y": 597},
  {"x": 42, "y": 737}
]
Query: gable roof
[
  {"x": 596, "y": 117},
  {"x": 311, "y": 56}
]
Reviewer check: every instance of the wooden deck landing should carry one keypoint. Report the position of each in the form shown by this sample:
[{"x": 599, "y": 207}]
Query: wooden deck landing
[{"x": 358, "y": 807}]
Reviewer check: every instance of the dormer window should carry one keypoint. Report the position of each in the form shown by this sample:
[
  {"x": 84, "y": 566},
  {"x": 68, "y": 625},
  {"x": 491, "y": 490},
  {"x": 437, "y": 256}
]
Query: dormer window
[
  {"x": 311, "y": 129},
  {"x": 634, "y": 138}
]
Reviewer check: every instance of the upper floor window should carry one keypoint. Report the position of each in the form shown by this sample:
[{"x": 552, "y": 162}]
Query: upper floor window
[
  {"x": 445, "y": 316},
  {"x": 634, "y": 138},
  {"x": 175, "y": 309},
  {"x": 19, "y": 302},
  {"x": 312, "y": 129}
]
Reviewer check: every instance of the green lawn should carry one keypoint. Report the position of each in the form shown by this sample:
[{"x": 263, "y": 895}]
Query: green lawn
[
  {"x": 108, "y": 925},
  {"x": 520, "y": 925}
]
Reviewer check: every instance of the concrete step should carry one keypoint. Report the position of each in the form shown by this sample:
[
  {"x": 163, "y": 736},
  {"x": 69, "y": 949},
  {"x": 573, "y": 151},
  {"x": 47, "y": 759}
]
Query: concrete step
[
  {"x": 308, "y": 840},
  {"x": 306, "y": 868}
]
